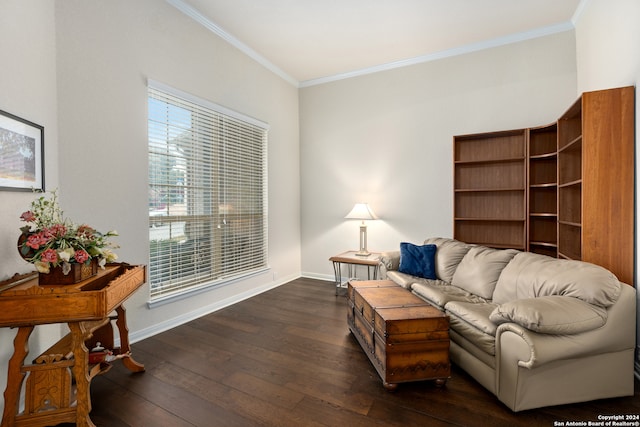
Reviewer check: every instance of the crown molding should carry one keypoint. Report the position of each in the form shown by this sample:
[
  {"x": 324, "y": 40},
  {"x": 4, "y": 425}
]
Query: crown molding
[
  {"x": 220, "y": 32},
  {"x": 578, "y": 13},
  {"x": 462, "y": 50},
  {"x": 473, "y": 47}
]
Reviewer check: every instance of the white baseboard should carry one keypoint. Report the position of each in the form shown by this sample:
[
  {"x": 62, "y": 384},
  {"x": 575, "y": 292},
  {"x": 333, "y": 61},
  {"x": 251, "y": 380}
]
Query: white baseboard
[
  {"x": 326, "y": 277},
  {"x": 195, "y": 314}
]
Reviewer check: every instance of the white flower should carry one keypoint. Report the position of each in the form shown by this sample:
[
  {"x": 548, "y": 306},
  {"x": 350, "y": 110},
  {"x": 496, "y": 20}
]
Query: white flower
[
  {"x": 66, "y": 255},
  {"x": 42, "y": 267},
  {"x": 109, "y": 255}
]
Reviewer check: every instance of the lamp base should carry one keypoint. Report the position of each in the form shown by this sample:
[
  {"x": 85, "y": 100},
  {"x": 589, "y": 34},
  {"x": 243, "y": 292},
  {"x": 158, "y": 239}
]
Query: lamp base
[{"x": 363, "y": 241}]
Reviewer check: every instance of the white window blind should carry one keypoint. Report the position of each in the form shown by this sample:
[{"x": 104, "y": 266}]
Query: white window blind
[{"x": 207, "y": 193}]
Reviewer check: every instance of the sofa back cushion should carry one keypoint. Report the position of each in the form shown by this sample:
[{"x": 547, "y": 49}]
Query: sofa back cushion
[
  {"x": 530, "y": 275},
  {"x": 449, "y": 253},
  {"x": 479, "y": 270}
]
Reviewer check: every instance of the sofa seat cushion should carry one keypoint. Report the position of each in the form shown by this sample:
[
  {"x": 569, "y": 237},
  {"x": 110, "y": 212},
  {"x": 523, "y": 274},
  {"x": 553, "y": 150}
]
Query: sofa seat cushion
[
  {"x": 448, "y": 255},
  {"x": 471, "y": 320},
  {"x": 472, "y": 349},
  {"x": 479, "y": 270},
  {"x": 530, "y": 275},
  {"x": 439, "y": 293},
  {"x": 552, "y": 314},
  {"x": 407, "y": 280}
]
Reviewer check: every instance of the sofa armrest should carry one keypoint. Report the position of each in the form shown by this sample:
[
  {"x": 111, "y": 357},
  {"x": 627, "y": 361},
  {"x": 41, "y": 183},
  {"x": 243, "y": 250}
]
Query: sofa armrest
[
  {"x": 532, "y": 349},
  {"x": 389, "y": 261}
]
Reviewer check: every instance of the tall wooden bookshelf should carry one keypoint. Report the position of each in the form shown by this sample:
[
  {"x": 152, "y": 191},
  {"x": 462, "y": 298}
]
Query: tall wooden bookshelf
[
  {"x": 542, "y": 229},
  {"x": 596, "y": 181},
  {"x": 490, "y": 189},
  {"x": 564, "y": 190},
  {"x": 570, "y": 183}
]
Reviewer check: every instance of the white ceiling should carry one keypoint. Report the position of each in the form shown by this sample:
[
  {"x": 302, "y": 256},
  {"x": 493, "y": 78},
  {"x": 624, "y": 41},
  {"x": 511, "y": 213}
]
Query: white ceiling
[{"x": 312, "y": 41}]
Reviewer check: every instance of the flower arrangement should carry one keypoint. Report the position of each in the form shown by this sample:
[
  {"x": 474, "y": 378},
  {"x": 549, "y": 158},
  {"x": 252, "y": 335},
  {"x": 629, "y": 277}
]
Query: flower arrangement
[{"x": 49, "y": 240}]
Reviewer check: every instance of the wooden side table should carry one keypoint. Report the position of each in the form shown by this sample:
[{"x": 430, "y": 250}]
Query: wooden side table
[
  {"x": 57, "y": 382},
  {"x": 351, "y": 260}
]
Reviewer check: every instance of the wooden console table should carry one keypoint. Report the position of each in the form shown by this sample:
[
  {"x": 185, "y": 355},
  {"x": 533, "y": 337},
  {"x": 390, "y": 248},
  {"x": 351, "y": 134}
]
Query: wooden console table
[{"x": 57, "y": 382}]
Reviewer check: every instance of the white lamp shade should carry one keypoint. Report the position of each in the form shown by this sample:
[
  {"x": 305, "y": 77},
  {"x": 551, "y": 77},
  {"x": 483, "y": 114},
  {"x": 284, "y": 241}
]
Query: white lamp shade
[{"x": 361, "y": 211}]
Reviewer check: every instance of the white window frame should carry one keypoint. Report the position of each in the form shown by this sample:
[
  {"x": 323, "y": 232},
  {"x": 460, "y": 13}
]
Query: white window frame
[{"x": 207, "y": 194}]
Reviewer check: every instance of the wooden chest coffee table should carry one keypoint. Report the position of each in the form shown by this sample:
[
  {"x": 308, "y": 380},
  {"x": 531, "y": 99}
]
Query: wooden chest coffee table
[{"x": 405, "y": 338}]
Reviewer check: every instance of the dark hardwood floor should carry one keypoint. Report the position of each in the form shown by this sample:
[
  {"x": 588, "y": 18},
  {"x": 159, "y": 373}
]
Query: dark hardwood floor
[{"x": 286, "y": 358}]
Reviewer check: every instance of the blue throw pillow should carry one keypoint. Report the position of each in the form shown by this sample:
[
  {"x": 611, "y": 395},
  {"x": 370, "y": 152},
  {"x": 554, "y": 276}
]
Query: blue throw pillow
[{"x": 418, "y": 260}]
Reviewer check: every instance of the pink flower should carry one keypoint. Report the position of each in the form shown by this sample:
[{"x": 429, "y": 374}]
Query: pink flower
[
  {"x": 34, "y": 241},
  {"x": 81, "y": 256},
  {"x": 28, "y": 216},
  {"x": 86, "y": 232},
  {"x": 49, "y": 255},
  {"x": 57, "y": 230}
]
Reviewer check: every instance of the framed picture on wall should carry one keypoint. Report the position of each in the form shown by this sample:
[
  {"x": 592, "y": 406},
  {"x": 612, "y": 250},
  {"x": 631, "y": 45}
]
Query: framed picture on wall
[{"x": 21, "y": 154}]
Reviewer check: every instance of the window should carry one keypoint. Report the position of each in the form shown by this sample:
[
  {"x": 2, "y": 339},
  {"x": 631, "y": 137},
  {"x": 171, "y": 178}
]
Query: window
[{"x": 207, "y": 193}]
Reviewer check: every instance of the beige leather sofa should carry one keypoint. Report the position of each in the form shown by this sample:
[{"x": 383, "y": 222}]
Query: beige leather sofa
[{"x": 534, "y": 330}]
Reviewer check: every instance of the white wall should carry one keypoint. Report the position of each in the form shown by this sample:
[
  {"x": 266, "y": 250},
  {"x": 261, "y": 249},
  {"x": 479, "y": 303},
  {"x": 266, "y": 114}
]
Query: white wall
[
  {"x": 27, "y": 90},
  {"x": 387, "y": 139},
  {"x": 106, "y": 53},
  {"x": 607, "y": 46},
  {"x": 79, "y": 68}
]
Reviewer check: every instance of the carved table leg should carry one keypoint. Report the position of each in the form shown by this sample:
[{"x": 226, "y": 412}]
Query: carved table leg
[
  {"x": 121, "y": 322},
  {"x": 81, "y": 374},
  {"x": 15, "y": 376}
]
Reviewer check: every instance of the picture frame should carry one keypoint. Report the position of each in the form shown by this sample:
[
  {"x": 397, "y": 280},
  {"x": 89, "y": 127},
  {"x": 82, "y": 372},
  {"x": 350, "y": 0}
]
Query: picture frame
[{"x": 21, "y": 154}]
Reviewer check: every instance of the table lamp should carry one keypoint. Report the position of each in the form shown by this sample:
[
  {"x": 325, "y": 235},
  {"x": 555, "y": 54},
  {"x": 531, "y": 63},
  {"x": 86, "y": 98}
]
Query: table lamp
[{"x": 362, "y": 211}]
